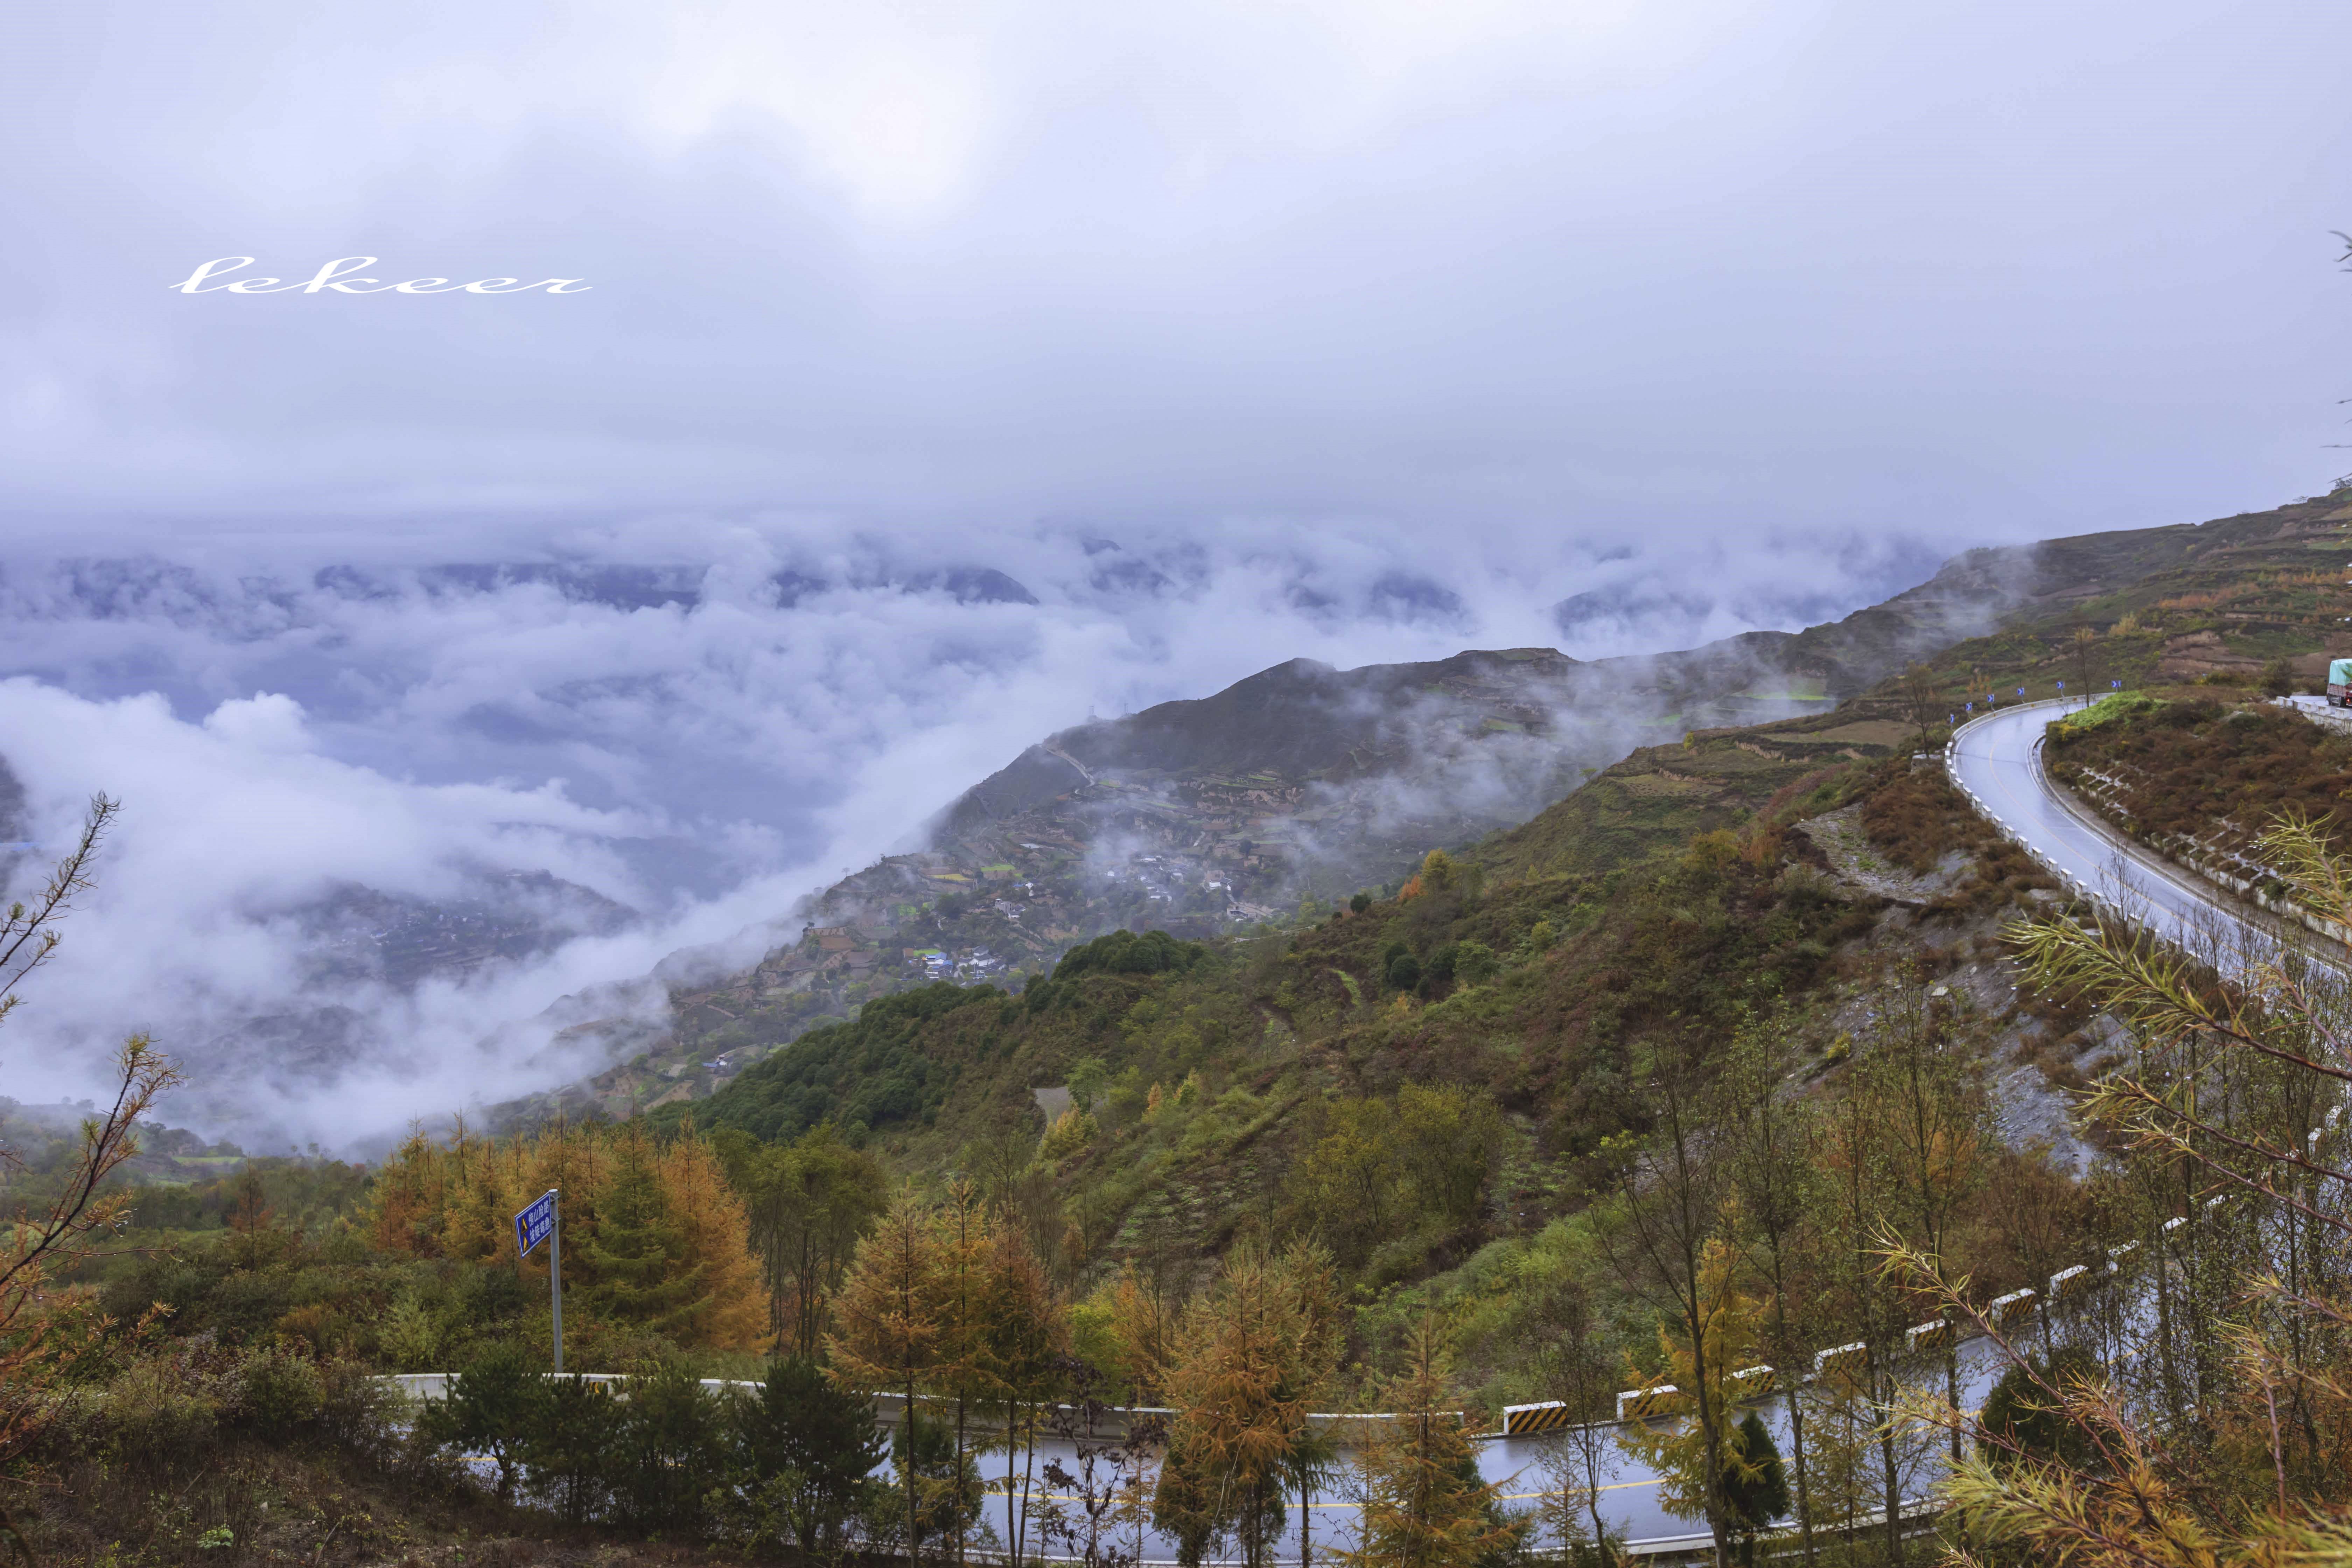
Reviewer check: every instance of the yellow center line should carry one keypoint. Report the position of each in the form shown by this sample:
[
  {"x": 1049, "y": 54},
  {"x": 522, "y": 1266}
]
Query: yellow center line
[
  {"x": 1504, "y": 1497},
  {"x": 1073, "y": 1497}
]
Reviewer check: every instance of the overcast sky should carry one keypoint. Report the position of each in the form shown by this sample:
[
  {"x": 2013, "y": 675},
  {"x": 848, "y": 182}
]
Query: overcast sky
[
  {"x": 1984, "y": 268},
  {"x": 1230, "y": 332}
]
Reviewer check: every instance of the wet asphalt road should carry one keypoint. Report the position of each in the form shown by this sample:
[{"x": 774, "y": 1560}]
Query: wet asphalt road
[{"x": 1997, "y": 760}]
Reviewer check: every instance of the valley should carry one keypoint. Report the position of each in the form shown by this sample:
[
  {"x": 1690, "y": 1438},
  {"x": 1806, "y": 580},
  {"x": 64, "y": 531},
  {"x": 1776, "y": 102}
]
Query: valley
[{"x": 1761, "y": 1031}]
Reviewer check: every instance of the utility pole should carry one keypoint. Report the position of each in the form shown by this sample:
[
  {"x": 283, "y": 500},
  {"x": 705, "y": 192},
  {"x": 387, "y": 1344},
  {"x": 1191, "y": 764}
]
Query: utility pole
[{"x": 538, "y": 1222}]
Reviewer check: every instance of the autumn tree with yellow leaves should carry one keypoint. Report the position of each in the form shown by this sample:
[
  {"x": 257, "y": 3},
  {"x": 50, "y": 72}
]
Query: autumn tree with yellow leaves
[
  {"x": 1702, "y": 1458},
  {"x": 886, "y": 1329},
  {"x": 1423, "y": 1503},
  {"x": 655, "y": 1239},
  {"x": 1252, "y": 1350}
]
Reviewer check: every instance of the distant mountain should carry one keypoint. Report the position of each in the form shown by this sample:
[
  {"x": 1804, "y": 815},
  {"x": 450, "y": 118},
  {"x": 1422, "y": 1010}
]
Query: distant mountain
[
  {"x": 639, "y": 587},
  {"x": 358, "y": 933},
  {"x": 1301, "y": 781},
  {"x": 111, "y": 587}
]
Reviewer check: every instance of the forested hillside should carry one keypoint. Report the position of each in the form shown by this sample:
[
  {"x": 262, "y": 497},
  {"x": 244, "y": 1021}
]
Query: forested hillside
[
  {"x": 1208, "y": 815},
  {"x": 1757, "y": 1049}
]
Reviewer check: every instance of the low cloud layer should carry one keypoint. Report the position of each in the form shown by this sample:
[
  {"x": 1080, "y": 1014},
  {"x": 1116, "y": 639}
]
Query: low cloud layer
[
  {"x": 690, "y": 745},
  {"x": 946, "y": 374}
]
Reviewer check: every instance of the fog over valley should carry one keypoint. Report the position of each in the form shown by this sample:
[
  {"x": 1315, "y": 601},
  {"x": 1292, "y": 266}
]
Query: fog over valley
[
  {"x": 380, "y": 815},
  {"x": 937, "y": 387}
]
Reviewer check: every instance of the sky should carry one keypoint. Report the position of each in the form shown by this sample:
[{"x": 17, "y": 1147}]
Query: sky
[{"x": 1229, "y": 332}]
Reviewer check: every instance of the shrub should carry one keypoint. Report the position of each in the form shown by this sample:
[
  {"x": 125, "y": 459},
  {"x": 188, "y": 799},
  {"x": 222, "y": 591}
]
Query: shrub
[
  {"x": 801, "y": 1450},
  {"x": 1125, "y": 952},
  {"x": 1474, "y": 962},
  {"x": 158, "y": 1412},
  {"x": 563, "y": 1450},
  {"x": 1711, "y": 852},
  {"x": 489, "y": 1410},
  {"x": 1438, "y": 972},
  {"x": 2019, "y": 1411},
  {"x": 668, "y": 1451},
  {"x": 280, "y": 1394},
  {"x": 2115, "y": 705}
]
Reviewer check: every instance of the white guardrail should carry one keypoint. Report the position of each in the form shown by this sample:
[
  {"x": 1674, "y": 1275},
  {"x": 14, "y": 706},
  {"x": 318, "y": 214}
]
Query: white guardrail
[
  {"x": 1952, "y": 771},
  {"x": 1350, "y": 1427}
]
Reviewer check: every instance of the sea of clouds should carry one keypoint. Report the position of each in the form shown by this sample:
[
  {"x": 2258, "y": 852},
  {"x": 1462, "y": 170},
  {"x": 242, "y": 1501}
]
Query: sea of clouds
[
  {"x": 702, "y": 738},
  {"x": 1224, "y": 333}
]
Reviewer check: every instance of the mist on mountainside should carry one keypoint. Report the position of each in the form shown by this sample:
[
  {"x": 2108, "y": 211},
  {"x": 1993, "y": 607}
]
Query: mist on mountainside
[{"x": 380, "y": 815}]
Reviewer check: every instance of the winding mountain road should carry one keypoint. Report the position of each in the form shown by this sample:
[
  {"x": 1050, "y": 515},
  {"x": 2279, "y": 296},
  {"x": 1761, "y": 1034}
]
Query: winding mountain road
[{"x": 1996, "y": 760}]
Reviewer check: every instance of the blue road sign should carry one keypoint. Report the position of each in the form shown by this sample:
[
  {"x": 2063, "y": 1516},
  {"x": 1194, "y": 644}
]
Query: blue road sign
[
  {"x": 2021, "y": 691},
  {"x": 533, "y": 1223},
  {"x": 2114, "y": 685}
]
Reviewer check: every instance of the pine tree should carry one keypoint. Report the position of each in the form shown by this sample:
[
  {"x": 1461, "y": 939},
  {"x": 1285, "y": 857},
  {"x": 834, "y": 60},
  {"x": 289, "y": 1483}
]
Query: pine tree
[
  {"x": 1666, "y": 1223},
  {"x": 635, "y": 1256},
  {"x": 478, "y": 1205},
  {"x": 805, "y": 1446},
  {"x": 668, "y": 1450},
  {"x": 966, "y": 1366},
  {"x": 1317, "y": 1318},
  {"x": 1142, "y": 1319},
  {"x": 1771, "y": 1147},
  {"x": 1238, "y": 1411},
  {"x": 1756, "y": 1491},
  {"x": 886, "y": 1323},
  {"x": 1699, "y": 1462},
  {"x": 408, "y": 1198},
  {"x": 1423, "y": 1504},
  {"x": 489, "y": 1410},
  {"x": 733, "y": 1308},
  {"x": 1026, "y": 1339}
]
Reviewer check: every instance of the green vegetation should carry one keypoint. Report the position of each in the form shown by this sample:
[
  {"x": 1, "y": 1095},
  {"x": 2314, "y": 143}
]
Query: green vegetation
[
  {"x": 2107, "y": 709},
  {"x": 1643, "y": 1093},
  {"x": 2202, "y": 779}
]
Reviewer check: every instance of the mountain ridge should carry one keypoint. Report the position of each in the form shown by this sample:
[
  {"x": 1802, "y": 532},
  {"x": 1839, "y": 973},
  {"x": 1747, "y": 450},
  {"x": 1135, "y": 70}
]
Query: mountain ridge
[{"x": 1148, "y": 820}]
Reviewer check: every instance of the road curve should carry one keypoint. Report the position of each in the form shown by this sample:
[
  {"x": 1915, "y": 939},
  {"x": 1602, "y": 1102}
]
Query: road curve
[{"x": 1996, "y": 760}]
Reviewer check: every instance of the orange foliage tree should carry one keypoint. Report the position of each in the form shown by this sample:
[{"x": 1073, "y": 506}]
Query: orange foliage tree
[{"x": 456, "y": 1200}]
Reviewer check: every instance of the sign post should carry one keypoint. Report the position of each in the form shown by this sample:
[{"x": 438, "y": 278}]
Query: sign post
[{"x": 535, "y": 1224}]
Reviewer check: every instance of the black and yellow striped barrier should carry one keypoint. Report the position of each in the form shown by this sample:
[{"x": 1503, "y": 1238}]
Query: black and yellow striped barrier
[
  {"x": 1840, "y": 1362},
  {"x": 1550, "y": 1415},
  {"x": 2005, "y": 1311},
  {"x": 2069, "y": 1283},
  {"x": 1752, "y": 1383},
  {"x": 1921, "y": 1338},
  {"x": 1644, "y": 1404}
]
